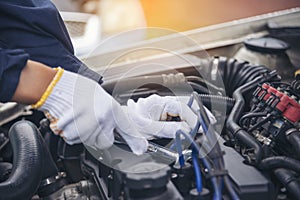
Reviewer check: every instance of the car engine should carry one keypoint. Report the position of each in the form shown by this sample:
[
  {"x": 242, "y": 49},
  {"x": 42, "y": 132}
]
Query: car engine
[{"x": 252, "y": 151}]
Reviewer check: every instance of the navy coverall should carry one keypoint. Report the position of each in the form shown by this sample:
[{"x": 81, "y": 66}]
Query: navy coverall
[{"x": 33, "y": 29}]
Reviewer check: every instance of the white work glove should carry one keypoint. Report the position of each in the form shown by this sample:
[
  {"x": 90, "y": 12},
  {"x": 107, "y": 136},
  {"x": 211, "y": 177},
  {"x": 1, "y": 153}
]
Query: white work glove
[
  {"x": 150, "y": 114},
  {"x": 195, "y": 108},
  {"x": 79, "y": 110}
]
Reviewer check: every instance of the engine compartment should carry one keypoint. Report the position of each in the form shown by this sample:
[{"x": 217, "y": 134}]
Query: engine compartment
[{"x": 251, "y": 152}]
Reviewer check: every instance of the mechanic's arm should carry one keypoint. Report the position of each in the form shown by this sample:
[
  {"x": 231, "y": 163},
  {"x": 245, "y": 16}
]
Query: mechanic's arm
[
  {"x": 34, "y": 80},
  {"x": 37, "y": 28},
  {"x": 78, "y": 108},
  {"x": 81, "y": 111}
]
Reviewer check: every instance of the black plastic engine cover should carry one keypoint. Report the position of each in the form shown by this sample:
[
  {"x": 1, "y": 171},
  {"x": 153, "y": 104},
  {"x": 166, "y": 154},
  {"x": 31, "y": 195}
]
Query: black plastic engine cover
[{"x": 249, "y": 182}]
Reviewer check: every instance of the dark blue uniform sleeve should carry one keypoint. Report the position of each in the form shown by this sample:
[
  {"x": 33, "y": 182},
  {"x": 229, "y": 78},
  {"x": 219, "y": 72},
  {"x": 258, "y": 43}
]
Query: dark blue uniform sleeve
[
  {"x": 11, "y": 64},
  {"x": 36, "y": 27}
]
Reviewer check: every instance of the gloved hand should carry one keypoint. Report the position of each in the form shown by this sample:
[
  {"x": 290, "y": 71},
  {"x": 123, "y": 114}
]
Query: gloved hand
[
  {"x": 150, "y": 114},
  {"x": 79, "y": 110}
]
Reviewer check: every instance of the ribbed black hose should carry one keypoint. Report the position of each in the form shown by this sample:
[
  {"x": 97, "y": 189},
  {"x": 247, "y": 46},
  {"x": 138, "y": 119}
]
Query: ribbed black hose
[
  {"x": 294, "y": 139},
  {"x": 236, "y": 73},
  {"x": 5, "y": 170},
  {"x": 209, "y": 100},
  {"x": 290, "y": 182},
  {"x": 27, "y": 163},
  {"x": 239, "y": 79},
  {"x": 280, "y": 162}
]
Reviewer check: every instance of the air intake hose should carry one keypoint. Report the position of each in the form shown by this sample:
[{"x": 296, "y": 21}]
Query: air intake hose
[
  {"x": 234, "y": 73},
  {"x": 239, "y": 79},
  {"x": 26, "y": 173}
]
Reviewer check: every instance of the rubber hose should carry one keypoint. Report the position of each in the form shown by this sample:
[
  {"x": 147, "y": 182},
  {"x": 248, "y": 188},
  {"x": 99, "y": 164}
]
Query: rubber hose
[
  {"x": 49, "y": 167},
  {"x": 27, "y": 162},
  {"x": 250, "y": 142},
  {"x": 290, "y": 182},
  {"x": 280, "y": 162},
  {"x": 5, "y": 170},
  {"x": 239, "y": 78},
  {"x": 216, "y": 100},
  {"x": 235, "y": 73},
  {"x": 294, "y": 139},
  {"x": 49, "y": 170},
  {"x": 234, "y": 129}
]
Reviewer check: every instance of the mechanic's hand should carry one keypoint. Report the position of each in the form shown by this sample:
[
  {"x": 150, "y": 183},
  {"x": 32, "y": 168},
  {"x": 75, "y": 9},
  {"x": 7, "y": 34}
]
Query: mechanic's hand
[
  {"x": 79, "y": 110},
  {"x": 152, "y": 115}
]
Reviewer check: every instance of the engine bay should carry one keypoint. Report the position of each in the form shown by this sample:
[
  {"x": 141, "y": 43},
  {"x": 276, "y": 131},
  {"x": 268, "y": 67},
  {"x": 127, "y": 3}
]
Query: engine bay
[{"x": 252, "y": 151}]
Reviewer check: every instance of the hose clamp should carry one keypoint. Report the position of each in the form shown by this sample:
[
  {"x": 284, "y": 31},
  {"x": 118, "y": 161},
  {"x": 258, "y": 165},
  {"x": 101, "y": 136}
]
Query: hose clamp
[
  {"x": 52, "y": 179},
  {"x": 290, "y": 131},
  {"x": 214, "y": 70}
]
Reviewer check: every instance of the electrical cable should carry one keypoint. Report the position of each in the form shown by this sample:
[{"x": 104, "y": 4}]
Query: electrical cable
[
  {"x": 197, "y": 171},
  {"x": 217, "y": 190},
  {"x": 251, "y": 115},
  {"x": 194, "y": 160},
  {"x": 259, "y": 124},
  {"x": 210, "y": 132},
  {"x": 199, "y": 88},
  {"x": 179, "y": 150},
  {"x": 192, "y": 133},
  {"x": 216, "y": 186},
  {"x": 201, "y": 80},
  {"x": 204, "y": 121}
]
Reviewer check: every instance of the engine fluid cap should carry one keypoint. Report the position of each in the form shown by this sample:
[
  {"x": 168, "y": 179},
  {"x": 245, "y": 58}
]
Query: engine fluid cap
[
  {"x": 266, "y": 45},
  {"x": 147, "y": 175}
]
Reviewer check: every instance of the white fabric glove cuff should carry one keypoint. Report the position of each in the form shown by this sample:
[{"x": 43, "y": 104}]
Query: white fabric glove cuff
[{"x": 59, "y": 102}]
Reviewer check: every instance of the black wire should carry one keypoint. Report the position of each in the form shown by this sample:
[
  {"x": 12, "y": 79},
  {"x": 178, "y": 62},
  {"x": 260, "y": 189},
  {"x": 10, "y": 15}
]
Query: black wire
[
  {"x": 250, "y": 115},
  {"x": 202, "y": 81},
  {"x": 260, "y": 123},
  {"x": 199, "y": 88}
]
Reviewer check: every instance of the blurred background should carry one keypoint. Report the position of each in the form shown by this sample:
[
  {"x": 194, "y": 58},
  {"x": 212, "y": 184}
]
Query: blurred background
[
  {"x": 116, "y": 16},
  {"x": 174, "y": 14}
]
